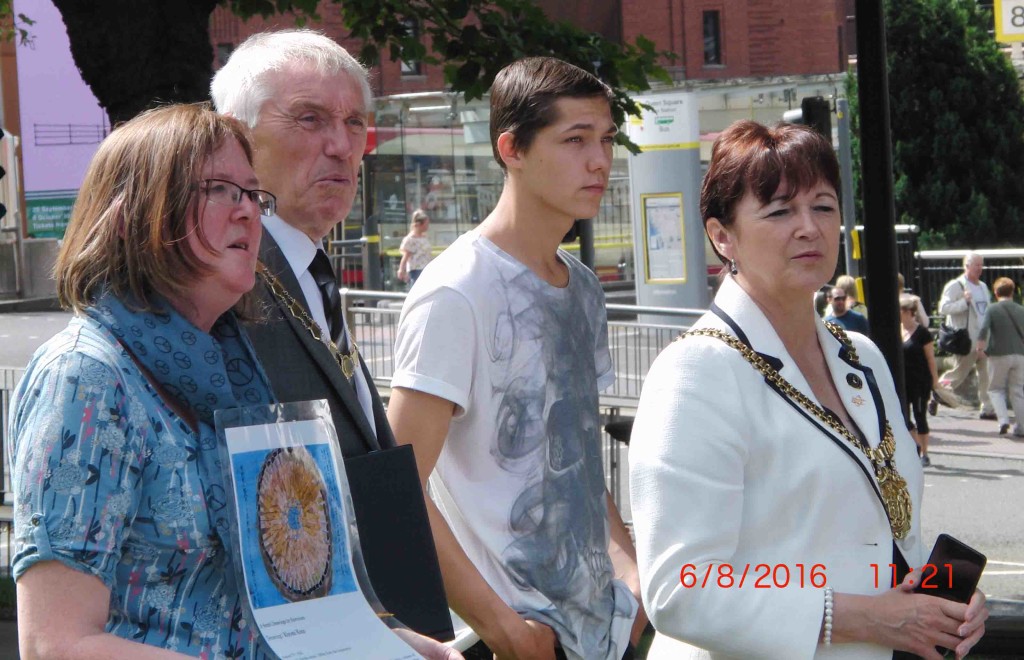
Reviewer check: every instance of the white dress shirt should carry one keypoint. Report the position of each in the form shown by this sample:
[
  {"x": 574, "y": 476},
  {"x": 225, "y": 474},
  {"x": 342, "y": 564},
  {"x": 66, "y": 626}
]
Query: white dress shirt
[{"x": 299, "y": 250}]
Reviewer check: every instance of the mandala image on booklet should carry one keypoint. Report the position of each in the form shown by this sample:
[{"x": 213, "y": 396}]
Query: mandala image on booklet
[{"x": 294, "y": 524}]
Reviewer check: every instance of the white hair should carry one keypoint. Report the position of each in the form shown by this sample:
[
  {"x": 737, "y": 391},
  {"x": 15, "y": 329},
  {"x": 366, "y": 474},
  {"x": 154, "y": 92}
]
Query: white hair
[
  {"x": 241, "y": 87},
  {"x": 970, "y": 257}
]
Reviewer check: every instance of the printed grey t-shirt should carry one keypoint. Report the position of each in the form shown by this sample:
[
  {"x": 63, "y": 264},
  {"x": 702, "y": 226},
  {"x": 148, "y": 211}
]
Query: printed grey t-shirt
[{"x": 520, "y": 479}]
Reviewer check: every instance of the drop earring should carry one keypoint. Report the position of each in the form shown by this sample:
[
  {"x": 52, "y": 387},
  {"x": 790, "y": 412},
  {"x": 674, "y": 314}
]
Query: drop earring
[{"x": 732, "y": 267}]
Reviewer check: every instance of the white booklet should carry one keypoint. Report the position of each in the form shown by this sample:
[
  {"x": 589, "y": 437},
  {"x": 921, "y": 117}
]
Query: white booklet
[{"x": 295, "y": 540}]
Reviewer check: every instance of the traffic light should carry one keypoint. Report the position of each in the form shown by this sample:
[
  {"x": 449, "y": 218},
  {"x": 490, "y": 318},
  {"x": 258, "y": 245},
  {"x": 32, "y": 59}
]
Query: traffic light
[{"x": 815, "y": 112}]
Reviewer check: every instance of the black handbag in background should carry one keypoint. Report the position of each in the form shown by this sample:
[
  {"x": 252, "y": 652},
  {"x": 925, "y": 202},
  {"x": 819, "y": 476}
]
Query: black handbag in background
[
  {"x": 395, "y": 537},
  {"x": 956, "y": 341}
]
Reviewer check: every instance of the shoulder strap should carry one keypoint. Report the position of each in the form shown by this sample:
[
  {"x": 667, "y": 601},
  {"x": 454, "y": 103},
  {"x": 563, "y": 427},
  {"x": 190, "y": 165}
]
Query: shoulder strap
[
  {"x": 962, "y": 281},
  {"x": 1020, "y": 334}
]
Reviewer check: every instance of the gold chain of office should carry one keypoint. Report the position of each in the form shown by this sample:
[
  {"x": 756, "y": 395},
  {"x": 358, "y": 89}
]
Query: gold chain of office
[
  {"x": 895, "y": 494},
  {"x": 349, "y": 361}
]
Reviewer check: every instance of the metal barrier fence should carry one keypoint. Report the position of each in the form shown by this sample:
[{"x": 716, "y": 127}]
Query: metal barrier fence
[{"x": 373, "y": 317}]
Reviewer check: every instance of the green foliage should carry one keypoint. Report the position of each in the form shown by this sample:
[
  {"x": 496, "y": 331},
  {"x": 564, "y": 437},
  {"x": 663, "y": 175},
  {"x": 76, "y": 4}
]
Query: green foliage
[
  {"x": 957, "y": 119},
  {"x": 853, "y": 100},
  {"x": 122, "y": 58},
  {"x": 14, "y": 25},
  {"x": 474, "y": 39}
]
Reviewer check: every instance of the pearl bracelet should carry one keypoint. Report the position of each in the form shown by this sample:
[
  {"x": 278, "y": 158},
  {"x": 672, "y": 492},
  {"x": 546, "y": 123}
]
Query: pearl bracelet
[{"x": 827, "y": 636}]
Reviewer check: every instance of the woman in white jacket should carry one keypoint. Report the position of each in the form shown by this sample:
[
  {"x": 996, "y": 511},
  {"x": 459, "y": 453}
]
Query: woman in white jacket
[{"x": 776, "y": 508}]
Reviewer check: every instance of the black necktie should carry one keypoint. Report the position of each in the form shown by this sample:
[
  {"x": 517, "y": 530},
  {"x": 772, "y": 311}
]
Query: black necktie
[{"x": 323, "y": 275}]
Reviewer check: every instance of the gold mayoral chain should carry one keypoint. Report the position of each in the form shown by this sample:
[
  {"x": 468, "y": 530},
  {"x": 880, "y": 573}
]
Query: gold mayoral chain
[
  {"x": 895, "y": 495},
  {"x": 347, "y": 361}
]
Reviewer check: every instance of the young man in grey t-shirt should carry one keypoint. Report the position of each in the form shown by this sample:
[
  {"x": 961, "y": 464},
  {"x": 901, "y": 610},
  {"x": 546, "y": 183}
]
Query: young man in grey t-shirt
[{"x": 501, "y": 349}]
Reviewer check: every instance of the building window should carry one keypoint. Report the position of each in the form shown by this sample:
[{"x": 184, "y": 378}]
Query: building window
[
  {"x": 414, "y": 67},
  {"x": 712, "y": 37}
]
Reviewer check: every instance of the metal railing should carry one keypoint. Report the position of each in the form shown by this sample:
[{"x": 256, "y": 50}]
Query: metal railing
[
  {"x": 373, "y": 318},
  {"x": 58, "y": 135}
]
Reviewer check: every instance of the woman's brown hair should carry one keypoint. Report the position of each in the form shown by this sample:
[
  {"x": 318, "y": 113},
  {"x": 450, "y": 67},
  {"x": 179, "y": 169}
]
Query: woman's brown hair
[
  {"x": 1004, "y": 287},
  {"x": 129, "y": 226},
  {"x": 754, "y": 157}
]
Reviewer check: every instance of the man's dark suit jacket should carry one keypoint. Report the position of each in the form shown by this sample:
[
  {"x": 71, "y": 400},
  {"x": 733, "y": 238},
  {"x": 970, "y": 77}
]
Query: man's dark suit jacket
[
  {"x": 390, "y": 510},
  {"x": 301, "y": 368}
]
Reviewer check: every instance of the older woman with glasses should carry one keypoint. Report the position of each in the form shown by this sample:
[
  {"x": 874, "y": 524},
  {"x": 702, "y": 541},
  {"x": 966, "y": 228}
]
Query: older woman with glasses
[
  {"x": 119, "y": 508},
  {"x": 119, "y": 516}
]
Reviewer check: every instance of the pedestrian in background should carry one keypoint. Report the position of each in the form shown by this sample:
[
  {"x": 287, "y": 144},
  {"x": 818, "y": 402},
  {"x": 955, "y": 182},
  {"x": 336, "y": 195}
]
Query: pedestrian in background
[
  {"x": 415, "y": 248},
  {"x": 117, "y": 519},
  {"x": 1001, "y": 337},
  {"x": 963, "y": 303},
  {"x": 849, "y": 284},
  {"x": 849, "y": 319},
  {"x": 919, "y": 313},
  {"x": 921, "y": 376}
]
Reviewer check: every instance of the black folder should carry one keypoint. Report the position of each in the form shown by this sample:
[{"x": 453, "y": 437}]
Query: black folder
[{"x": 398, "y": 547}]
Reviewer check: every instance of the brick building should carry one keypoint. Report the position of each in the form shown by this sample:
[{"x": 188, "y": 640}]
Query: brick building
[
  {"x": 743, "y": 38},
  {"x": 714, "y": 39},
  {"x": 747, "y": 58}
]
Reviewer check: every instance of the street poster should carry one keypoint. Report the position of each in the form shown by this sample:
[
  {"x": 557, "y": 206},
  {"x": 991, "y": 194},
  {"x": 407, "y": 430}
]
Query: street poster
[
  {"x": 664, "y": 237},
  {"x": 292, "y": 519}
]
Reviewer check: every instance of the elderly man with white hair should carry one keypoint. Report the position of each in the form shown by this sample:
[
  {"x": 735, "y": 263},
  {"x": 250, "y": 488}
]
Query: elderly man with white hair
[
  {"x": 308, "y": 101},
  {"x": 963, "y": 303}
]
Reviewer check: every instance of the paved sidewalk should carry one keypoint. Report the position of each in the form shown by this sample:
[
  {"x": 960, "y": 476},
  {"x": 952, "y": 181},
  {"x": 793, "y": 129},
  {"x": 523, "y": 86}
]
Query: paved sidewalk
[{"x": 959, "y": 431}]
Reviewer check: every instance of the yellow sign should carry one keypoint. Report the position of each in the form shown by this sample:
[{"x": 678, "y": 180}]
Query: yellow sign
[{"x": 1009, "y": 20}]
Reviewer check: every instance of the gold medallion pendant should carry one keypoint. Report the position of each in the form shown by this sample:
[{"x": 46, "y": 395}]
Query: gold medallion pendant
[
  {"x": 348, "y": 366},
  {"x": 896, "y": 498},
  {"x": 348, "y": 360}
]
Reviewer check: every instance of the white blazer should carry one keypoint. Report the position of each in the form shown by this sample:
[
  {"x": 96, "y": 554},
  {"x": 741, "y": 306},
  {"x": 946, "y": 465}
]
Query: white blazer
[{"x": 725, "y": 471}]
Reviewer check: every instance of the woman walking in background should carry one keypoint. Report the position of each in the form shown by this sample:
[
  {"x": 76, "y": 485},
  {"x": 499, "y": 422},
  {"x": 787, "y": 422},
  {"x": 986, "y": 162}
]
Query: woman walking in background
[
  {"x": 415, "y": 248},
  {"x": 920, "y": 372},
  {"x": 1001, "y": 337}
]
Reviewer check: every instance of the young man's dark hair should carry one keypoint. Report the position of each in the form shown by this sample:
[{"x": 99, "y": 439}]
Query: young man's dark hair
[{"x": 524, "y": 93}]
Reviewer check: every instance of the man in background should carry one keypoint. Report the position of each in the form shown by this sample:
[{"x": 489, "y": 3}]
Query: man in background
[
  {"x": 963, "y": 303},
  {"x": 849, "y": 319}
]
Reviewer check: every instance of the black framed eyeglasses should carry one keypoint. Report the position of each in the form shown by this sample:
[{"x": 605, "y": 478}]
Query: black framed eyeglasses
[{"x": 229, "y": 193}]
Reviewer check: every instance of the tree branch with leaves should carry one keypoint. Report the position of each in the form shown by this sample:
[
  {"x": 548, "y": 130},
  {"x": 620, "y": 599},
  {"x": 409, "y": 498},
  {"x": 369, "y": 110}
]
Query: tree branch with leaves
[{"x": 134, "y": 54}]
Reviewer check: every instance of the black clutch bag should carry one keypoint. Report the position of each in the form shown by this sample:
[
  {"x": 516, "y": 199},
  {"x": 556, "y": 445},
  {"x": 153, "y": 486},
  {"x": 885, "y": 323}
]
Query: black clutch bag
[
  {"x": 395, "y": 537},
  {"x": 955, "y": 341}
]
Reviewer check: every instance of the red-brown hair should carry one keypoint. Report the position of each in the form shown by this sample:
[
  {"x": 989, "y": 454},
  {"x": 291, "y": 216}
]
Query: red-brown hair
[
  {"x": 749, "y": 156},
  {"x": 1004, "y": 287}
]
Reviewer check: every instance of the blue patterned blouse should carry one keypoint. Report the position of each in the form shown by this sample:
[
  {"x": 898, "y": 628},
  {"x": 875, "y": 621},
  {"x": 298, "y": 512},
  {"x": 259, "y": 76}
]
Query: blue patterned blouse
[{"x": 110, "y": 482}]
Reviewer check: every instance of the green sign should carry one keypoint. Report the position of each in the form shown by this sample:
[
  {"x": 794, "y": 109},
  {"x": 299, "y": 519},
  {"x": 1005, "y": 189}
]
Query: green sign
[{"x": 48, "y": 212}]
